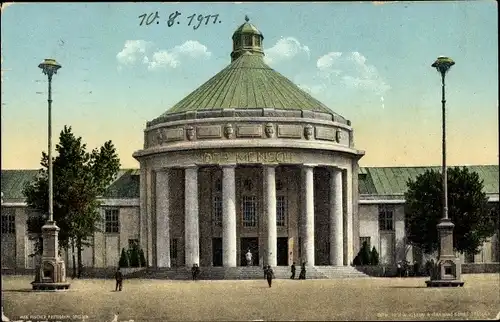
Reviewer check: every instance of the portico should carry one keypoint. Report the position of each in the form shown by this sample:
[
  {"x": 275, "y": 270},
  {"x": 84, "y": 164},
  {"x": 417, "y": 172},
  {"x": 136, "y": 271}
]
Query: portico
[
  {"x": 267, "y": 174},
  {"x": 230, "y": 200}
]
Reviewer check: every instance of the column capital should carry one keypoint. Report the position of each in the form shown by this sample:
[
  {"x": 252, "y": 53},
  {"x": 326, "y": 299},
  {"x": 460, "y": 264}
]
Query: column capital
[
  {"x": 335, "y": 169},
  {"x": 308, "y": 165},
  {"x": 189, "y": 166},
  {"x": 270, "y": 165},
  {"x": 231, "y": 165}
]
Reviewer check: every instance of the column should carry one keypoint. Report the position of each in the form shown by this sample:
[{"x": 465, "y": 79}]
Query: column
[
  {"x": 229, "y": 258},
  {"x": 191, "y": 226},
  {"x": 308, "y": 214},
  {"x": 270, "y": 208},
  {"x": 336, "y": 220},
  {"x": 162, "y": 219},
  {"x": 350, "y": 234}
]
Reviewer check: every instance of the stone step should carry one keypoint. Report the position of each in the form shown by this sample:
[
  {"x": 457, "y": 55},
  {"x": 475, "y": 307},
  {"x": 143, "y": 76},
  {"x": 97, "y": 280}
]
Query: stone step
[{"x": 253, "y": 272}]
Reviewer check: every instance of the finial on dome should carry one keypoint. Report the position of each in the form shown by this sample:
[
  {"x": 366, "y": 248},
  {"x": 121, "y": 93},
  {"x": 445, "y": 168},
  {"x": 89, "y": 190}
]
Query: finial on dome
[{"x": 246, "y": 18}]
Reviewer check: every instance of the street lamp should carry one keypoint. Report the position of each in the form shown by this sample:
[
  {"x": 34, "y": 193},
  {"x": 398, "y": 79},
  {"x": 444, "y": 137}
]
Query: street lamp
[
  {"x": 448, "y": 266},
  {"x": 49, "y": 67},
  {"x": 51, "y": 272}
]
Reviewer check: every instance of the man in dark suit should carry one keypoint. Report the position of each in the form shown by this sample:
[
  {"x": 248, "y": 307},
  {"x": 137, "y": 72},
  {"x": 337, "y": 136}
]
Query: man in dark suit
[
  {"x": 119, "y": 280},
  {"x": 293, "y": 271}
]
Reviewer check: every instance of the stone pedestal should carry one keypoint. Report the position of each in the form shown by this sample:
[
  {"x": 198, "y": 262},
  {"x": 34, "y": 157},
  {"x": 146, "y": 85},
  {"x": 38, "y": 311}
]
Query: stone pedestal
[
  {"x": 50, "y": 270},
  {"x": 448, "y": 266}
]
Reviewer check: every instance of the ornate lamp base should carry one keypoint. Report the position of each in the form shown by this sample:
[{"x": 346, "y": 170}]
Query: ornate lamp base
[
  {"x": 448, "y": 267},
  {"x": 51, "y": 272}
]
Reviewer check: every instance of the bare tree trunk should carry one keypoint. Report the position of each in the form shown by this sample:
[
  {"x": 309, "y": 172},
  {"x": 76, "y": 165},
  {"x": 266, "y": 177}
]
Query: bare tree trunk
[
  {"x": 79, "y": 250},
  {"x": 73, "y": 257}
]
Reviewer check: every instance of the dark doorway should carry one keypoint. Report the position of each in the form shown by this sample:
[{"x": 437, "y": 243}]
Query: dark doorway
[
  {"x": 251, "y": 243},
  {"x": 282, "y": 251},
  {"x": 217, "y": 251}
]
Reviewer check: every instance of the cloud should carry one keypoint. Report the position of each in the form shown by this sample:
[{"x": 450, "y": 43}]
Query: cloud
[
  {"x": 139, "y": 51},
  {"x": 285, "y": 49},
  {"x": 350, "y": 70},
  {"x": 172, "y": 58},
  {"x": 132, "y": 51}
]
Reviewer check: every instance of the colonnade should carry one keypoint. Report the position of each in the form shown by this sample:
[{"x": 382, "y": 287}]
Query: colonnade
[{"x": 229, "y": 223}]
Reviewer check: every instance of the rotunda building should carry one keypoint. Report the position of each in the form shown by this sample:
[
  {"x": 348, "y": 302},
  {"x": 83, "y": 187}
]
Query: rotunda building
[{"x": 249, "y": 162}]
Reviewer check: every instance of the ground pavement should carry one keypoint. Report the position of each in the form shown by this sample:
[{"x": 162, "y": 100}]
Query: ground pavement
[{"x": 342, "y": 299}]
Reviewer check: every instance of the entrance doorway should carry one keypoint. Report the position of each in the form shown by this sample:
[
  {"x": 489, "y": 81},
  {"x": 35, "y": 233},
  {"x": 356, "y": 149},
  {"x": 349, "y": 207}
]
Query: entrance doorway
[
  {"x": 282, "y": 256},
  {"x": 251, "y": 243},
  {"x": 217, "y": 251}
]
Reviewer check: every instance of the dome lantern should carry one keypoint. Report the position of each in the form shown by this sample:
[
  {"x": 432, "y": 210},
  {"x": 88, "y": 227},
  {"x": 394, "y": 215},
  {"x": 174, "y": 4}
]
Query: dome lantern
[{"x": 247, "y": 38}]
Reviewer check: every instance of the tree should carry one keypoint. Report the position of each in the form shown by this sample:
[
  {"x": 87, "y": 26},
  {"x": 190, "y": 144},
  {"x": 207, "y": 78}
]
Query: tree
[
  {"x": 468, "y": 209},
  {"x": 142, "y": 257},
  {"x": 374, "y": 256},
  {"x": 134, "y": 256},
  {"x": 124, "y": 260},
  {"x": 364, "y": 256},
  {"x": 79, "y": 179}
]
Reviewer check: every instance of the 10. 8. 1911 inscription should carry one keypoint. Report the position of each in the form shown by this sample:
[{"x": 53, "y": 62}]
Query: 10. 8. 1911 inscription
[{"x": 194, "y": 20}]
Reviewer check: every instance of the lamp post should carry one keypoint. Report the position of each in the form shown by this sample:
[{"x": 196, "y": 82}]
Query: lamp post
[
  {"x": 51, "y": 272},
  {"x": 50, "y": 67},
  {"x": 448, "y": 266}
]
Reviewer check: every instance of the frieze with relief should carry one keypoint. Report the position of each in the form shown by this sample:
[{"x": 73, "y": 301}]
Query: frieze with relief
[{"x": 246, "y": 157}]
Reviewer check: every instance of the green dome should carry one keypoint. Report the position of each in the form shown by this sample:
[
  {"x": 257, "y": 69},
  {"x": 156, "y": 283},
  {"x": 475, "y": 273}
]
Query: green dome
[
  {"x": 248, "y": 83},
  {"x": 247, "y": 28}
]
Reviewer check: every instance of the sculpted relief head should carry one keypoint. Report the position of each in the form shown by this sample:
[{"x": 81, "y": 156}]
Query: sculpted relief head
[
  {"x": 308, "y": 131},
  {"x": 190, "y": 132},
  {"x": 269, "y": 129},
  {"x": 228, "y": 131}
]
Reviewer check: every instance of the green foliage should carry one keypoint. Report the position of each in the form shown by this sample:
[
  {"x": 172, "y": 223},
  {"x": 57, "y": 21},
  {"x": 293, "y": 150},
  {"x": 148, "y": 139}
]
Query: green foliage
[
  {"x": 374, "y": 256},
  {"x": 142, "y": 258},
  {"x": 467, "y": 208},
  {"x": 134, "y": 256},
  {"x": 124, "y": 260},
  {"x": 79, "y": 178},
  {"x": 364, "y": 256}
]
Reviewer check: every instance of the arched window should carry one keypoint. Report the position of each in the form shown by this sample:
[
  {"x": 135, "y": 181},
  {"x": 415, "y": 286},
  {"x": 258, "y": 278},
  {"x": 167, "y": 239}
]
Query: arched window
[
  {"x": 257, "y": 41},
  {"x": 247, "y": 41}
]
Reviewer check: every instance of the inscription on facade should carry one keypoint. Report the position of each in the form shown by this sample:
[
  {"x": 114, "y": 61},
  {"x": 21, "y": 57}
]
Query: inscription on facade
[{"x": 247, "y": 157}]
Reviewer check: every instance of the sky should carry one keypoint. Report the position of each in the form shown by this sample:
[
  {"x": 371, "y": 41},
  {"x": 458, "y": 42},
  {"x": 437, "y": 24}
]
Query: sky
[{"x": 369, "y": 62}]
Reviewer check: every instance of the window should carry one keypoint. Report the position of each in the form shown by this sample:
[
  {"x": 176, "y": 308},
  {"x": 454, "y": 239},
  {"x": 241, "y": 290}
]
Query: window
[
  {"x": 8, "y": 222},
  {"x": 218, "y": 185},
  {"x": 173, "y": 248},
  {"x": 280, "y": 211},
  {"x": 237, "y": 42},
  {"x": 112, "y": 220},
  {"x": 386, "y": 217},
  {"x": 247, "y": 41},
  {"x": 257, "y": 41},
  {"x": 217, "y": 211},
  {"x": 249, "y": 211},
  {"x": 362, "y": 240}
]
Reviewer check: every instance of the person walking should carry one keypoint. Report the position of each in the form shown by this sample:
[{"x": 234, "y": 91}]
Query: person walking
[
  {"x": 293, "y": 271},
  {"x": 195, "y": 270},
  {"x": 269, "y": 275},
  {"x": 119, "y": 280},
  {"x": 302, "y": 275}
]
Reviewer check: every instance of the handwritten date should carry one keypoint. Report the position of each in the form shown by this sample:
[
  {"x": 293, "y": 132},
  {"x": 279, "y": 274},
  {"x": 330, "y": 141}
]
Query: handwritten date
[{"x": 194, "y": 20}]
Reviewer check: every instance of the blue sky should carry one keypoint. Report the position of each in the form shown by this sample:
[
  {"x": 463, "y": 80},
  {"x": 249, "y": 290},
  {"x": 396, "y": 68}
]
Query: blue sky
[{"x": 367, "y": 62}]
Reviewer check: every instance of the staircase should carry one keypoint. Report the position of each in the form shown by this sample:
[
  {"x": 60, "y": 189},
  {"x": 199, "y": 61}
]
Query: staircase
[
  {"x": 249, "y": 273},
  {"x": 333, "y": 272}
]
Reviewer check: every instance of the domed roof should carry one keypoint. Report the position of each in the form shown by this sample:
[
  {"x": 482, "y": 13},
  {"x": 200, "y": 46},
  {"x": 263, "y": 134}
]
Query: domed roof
[
  {"x": 247, "y": 28},
  {"x": 248, "y": 83}
]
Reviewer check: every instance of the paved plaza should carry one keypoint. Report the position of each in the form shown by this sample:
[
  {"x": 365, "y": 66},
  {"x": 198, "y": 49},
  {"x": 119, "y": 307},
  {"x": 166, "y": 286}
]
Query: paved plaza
[{"x": 343, "y": 299}]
